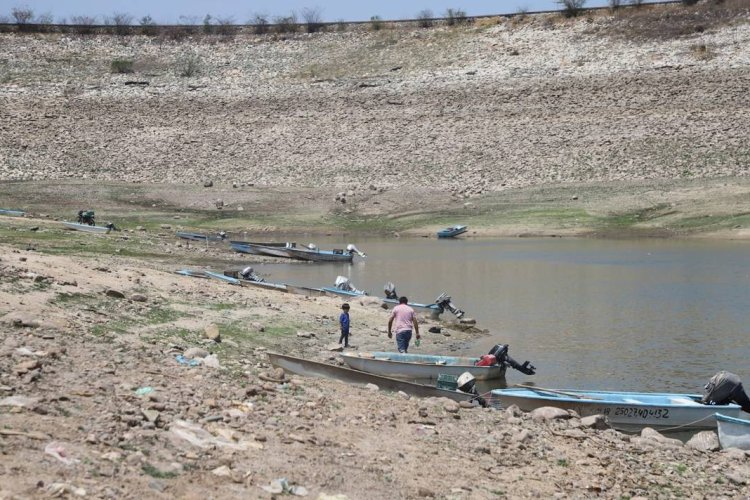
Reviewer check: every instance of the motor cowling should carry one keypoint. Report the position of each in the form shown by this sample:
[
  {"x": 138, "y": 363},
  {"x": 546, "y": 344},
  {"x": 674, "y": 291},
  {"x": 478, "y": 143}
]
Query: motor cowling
[
  {"x": 500, "y": 351},
  {"x": 724, "y": 388},
  {"x": 466, "y": 383},
  {"x": 486, "y": 360},
  {"x": 390, "y": 291},
  {"x": 444, "y": 302},
  {"x": 343, "y": 283},
  {"x": 352, "y": 249}
]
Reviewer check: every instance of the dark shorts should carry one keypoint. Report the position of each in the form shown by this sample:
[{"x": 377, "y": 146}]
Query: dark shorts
[{"x": 402, "y": 340}]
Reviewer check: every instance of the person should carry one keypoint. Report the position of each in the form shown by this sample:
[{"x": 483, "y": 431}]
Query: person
[
  {"x": 344, "y": 323},
  {"x": 405, "y": 320}
]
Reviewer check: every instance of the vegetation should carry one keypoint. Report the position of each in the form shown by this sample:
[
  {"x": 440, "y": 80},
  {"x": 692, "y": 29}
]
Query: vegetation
[
  {"x": 376, "y": 23},
  {"x": 455, "y": 16},
  {"x": 260, "y": 24},
  {"x": 425, "y": 19},
  {"x": 571, "y": 8},
  {"x": 121, "y": 66},
  {"x": 313, "y": 19},
  {"x": 286, "y": 24},
  {"x": 188, "y": 65}
]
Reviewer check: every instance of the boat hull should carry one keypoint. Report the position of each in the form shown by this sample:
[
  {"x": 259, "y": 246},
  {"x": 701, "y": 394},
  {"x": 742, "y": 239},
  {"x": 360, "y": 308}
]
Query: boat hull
[
  {"x": 12, "y": 213},
  {"x": 450, "y": 232},
  {"x": 86, "y": 228},
  {"x": 419, "y": 367},
  {"x": 320, "y": 255},
  {"x": 308, "y": 368},
  {"x": 197, "y": 236},
  {"x": 733, "y": 432},
  {"x": 624, "y": 410}
]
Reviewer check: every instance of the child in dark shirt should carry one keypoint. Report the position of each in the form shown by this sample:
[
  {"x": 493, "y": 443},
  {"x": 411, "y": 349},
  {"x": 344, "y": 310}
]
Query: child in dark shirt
[{"x": 344, "y": 323}]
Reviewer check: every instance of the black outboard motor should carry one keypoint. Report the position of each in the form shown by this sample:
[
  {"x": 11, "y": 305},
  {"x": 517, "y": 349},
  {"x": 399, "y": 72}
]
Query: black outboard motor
[
  {"x": 390, "y": 291},
  {"x": 444, "y": 301},
  {"x": 500, "y": 351},
  {"x": 725, "y": 388}
]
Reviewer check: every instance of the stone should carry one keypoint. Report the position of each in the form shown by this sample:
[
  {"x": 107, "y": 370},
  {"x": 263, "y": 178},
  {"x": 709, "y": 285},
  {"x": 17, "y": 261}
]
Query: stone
[
  {"x": 151, "y": 415},
  {"x": 467, "y": 321},
  {"x": 195, "y": 353},
  {"x": 211, "y": 332},
  {"x": 451, "y": 406},
  {"x": 222, "y": 471},
  {"x": 425, "y": 493},
  {"x": 595, "y": 422},
  {"x": 521, "y": 436},
  {"x": 165, "y": 226},
  {"x": 115, "y": 294},
  {"x": 372, "y": 387},
  {"x": 734, "y": 454},
  {"x": 736, "y": 477},
  {"x": 335, "y": 347},
  {"x": 403, "y": 395},
  {"x": 137, "y": 297},
  {"x": 219, "y": 204},
  {"x": 27, "y": 366},
  {"x": 305, "y": 335},
  {"x": 549, "y": 413},
  {"x": 652, "y": 435},
  {"x": 704, "y": 441},
  {"x": 468, "y": 404},
  {"x": 208, "y": 184}
]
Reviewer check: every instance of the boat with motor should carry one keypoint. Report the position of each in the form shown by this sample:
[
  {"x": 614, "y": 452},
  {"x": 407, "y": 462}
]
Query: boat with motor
[
  {"x": 430, "y": 367},
  {"x": 186, "y": 235},
  {"x": 86, "y": 228}
]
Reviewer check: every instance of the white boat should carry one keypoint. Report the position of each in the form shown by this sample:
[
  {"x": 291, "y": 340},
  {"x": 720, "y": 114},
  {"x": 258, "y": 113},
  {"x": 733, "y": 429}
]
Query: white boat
[
  {"x": 420, "y": 366},
  {"x": 86, "y": 228},
  {"x": 624, "y": 410},
  {"x": 733, "y": 432},
  {"x": 12, "y": 213}
]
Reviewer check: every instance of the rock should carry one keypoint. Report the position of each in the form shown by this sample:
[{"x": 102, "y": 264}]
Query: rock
[
  {"x": 222, "y": 471},
  {"x": 424, "y": 492},
  {"x": 211, "y": 361},
  {"x": 258, "y": 327},
  {"x": 468, "y": 404},
  {"x": 403, "y": 395},
  {"x": 451, "y": 406},
  {"x": 595, "y": 422},
  {"x": 211, "y": 332},
  {"x": 549, "y": 413},
  {"x": 467, "y": 321},
  {"x": 165, "y": 226},
  {"x": 652, "y": 435},
  {"x": 521, "y": 436},
  {"x": 372, "y": 387},
  {"x": 305, "y": 335},
  {"x": 734, "y": 454},
  {"x": 435, "y": 329},
  {"x": 195, "y": 353},
  {"x": 335, "y": 347},
  {"x": 24, "y": 322},
  {"x": 219, "y": 204},
  {"x": 140, "y": 228},
  {"x": 736, "y": 477},
  {"x": 137, "y": 297},
  {"x": 704, "y": 441},
  {"x": 208, "y": 184},
  {"x": 27, "y": 366},
  {"x": 115, "y": 294}
]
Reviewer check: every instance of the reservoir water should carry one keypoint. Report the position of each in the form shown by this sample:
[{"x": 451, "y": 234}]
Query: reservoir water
[{"x": 656, "y": 315}]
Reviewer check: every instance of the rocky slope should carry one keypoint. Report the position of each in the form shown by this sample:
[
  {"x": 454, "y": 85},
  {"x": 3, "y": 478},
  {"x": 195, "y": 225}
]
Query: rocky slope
[{"x": 475, "y": 109}]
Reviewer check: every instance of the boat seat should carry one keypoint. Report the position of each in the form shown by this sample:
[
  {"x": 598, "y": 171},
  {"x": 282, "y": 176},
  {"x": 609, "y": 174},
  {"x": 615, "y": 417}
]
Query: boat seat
[
  {"x": 684, "y": 401},
  {"x": 632, "y": 401}
]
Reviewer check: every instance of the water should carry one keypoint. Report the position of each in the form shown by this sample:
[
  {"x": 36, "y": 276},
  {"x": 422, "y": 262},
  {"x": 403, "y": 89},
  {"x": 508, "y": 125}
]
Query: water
[{"x": 654, "y": 315}]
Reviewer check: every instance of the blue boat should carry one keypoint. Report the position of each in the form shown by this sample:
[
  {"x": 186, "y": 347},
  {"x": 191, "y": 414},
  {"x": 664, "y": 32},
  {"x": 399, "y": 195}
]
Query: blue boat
[
  {"x": 624, "y": 410},
  {"x": 450, "y": 232},
  {"x": 12, "y": 213},
  {"x": 733, "y": 432},
  {"x": 420, "y": 366}
]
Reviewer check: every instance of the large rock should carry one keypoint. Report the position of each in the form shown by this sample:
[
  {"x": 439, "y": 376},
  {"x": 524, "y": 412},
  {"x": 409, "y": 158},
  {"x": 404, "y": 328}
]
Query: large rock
[
  {"x": 654, "y": 436},
  {"x": 704, "y": 441},
  {"x": 115, "y": 294},
  {"x": 550, "y": 413}
]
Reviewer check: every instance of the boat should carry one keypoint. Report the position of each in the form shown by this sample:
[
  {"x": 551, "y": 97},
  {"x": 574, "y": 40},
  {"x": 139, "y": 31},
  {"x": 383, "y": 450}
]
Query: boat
[
  {"x": 200, "y": 237},
  {"x": 624, "y": 410},
  {"x": 420, "y": 366},
  {"x": 337, "y": 292},
  {"x": 12, "y": 213},
  {"x": 87, "y": 229},
  {"x": 309, "y": 368},
  {"x": 243, "y": 282},
  {"x": 191, "y": 273},
  {"x": 315, "y": 255},
  {"x": 450, "y": 232},
  {"x": 433, "y": 309},
  {"x": 273, "y": 250},
  {"x": 734, "y": 432}
]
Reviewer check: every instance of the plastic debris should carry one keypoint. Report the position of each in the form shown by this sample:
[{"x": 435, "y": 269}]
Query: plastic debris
[
  {"x": 57, "y": 450},
  {"x": 142, "y": 391},
  {"x": 185, "y": 361},
  {"x": 282, "y": 486}
]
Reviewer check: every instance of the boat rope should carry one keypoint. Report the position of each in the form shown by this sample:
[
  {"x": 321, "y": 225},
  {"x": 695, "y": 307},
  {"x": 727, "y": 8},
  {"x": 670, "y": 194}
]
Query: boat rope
[{"x": 689, "y": 424}]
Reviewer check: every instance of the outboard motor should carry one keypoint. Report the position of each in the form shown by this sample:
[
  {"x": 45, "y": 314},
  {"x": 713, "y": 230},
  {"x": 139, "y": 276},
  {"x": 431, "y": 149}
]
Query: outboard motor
[
  {"x": 249, "y": 274},
  {"x": 352, "y": 249},
  {"x": 343, "y": 283},
  {"x": 390, "y": 291},
  {"x": 312, "y": 246},
  {"x": 223, "y": 235},
  {"x": 724, "y": 388},
  {"x": 500, "y": 351},
  {"x": 111, "y": 227},
  {"x": 444, "y": 301},
  {"x": 467, "y": 383}
]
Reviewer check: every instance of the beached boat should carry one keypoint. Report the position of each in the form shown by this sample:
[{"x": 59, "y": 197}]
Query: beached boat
[
  {"x": 450, "y": 232},
  {"x": 432, "y": 309},
  {"x": 191, "y": 273},
  {"x": 420, "y": 366},
  {"x": 243, "y": 282},
  {"x": 624, "y": 410},
  {"x": 86, "y": 228},
  {"x": 309, "y": 368},
  {"x": 320, "y": 255},
  {"x": 185, "y": 235},
  {"x": 12, "y": 213},
  {"x": 273, "y": 250},
  {"x": 733, "y": 432}
]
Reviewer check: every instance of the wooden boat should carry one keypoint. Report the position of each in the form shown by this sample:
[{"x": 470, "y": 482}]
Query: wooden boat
[
  {"x": 624, "y": 410},
  {"x": 420, "y": 366},
  {"x": 198, "y": 236},
  {"x": 12, "y": 213},
  {"x": 308, "y": 368},
  {"x": 733, "y": 432},
  {"x": 450, "y": 232},
  {"x": 86, "y": 228}
]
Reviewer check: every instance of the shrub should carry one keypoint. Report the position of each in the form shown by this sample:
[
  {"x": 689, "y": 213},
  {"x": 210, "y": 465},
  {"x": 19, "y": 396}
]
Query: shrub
[
  {"x": 614, "y": 5},
  {"x": 376, "y": 23},
  {"x": 313, "y": 19},
  {"x": 636, "y": 3},
  {"x": 225, "y": 26},
  {"x": 207, "y": 24},
  {"x": 188, "y": 65},
  {"x": 121, "y": 66},
  {"x": 425, "y": 19},
  {"x": 260, "y": 24},
  {"x": 455, "y": 16},
  {"x": 148, "y": 26},
  {"x": 83, "y": 25},
  {"x": 571, "y": 8},
  {"x": 22, "y": 15},
  {"x": 121, "y": 23},
  {"x": 286, "y": 24},
  {"x": 44, "y": 22}
]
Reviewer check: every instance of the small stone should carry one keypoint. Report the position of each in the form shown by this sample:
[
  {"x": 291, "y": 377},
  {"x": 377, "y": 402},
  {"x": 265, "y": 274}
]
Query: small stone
[
  {"x": 195, "y": 352},
  {"x": 151, "y": 415},
  {"x": 704, "y": 441},
  {"x": 372, "y": 387},
  {"x": 137, "y": 297},
  {"x": 165, "y": 226},
  {"x": 212, "y": 333},
  {"x": 425, "y": 493},
  {"x": 222, "y": 471},
  {"x": 468, "y": 404},
  {"x": 549, "y": 413},
  {"x": 451, "y": 406},
  {"x": 208, "y": 184},
  {"x": 403, "y": 395},
  {"x": 27, "y": 366},
  {"x": 595, "y": 422},
  {"x": 305, "y": 335},
  {"x": 116, "y": 294},
  {"x": 736, "y": 478}
]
